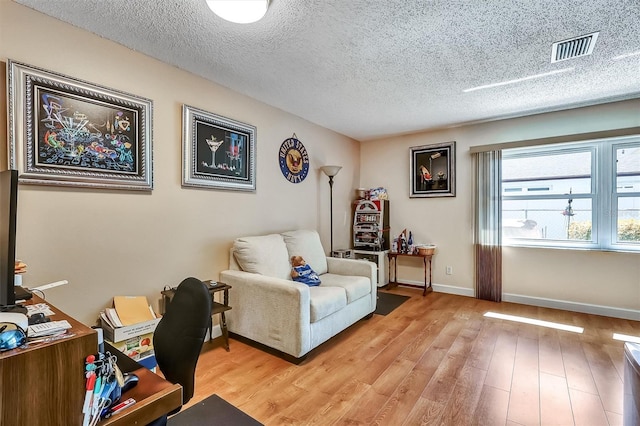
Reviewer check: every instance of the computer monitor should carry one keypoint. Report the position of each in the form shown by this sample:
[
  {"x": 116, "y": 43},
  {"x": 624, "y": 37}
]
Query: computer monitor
[{"x": 8, "y": 213}]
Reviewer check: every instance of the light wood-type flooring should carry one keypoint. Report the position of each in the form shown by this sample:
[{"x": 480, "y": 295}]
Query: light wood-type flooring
[{"x": 436, "y": 360}]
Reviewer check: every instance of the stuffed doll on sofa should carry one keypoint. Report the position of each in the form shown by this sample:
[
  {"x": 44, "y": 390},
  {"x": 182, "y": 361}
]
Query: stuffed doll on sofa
[{"x": 302, "y": 273}]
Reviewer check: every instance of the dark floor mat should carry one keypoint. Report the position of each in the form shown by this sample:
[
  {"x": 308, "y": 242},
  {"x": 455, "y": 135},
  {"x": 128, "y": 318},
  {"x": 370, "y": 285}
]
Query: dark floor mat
[
  {"x": 213, "y": 411},
  {"x": 387, "y": 302}
]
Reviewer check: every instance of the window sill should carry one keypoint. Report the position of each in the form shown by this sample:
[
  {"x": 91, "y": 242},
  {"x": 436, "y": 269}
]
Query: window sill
[{"x": 573, "y": 248}]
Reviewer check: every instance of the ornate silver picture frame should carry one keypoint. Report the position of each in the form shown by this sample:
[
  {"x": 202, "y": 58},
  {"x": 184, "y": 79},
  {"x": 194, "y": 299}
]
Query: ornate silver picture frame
[
  {"x": 64, "y": 131},
  {"x": 218, "y": 152}
]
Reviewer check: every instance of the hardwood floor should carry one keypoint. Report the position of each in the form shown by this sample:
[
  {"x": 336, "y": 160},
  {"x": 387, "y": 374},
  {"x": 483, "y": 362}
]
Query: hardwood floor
[{"x": 436, "y": 360}]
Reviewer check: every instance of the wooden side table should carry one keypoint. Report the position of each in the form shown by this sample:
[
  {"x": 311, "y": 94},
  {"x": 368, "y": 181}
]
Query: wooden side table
[
  {"x": 426, "y": 258},
  {"x": 216, "y": 308}
]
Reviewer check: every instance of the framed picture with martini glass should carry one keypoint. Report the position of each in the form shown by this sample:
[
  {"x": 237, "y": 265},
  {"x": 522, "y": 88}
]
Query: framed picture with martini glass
[{"x": 217, "y": 152}]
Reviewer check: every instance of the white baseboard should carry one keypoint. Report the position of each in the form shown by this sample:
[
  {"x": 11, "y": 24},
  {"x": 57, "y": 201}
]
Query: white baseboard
[
  {"x": 442, "y": 288},
  {"x": 451, "y": 289},
  {"x": 586, "y": 308},
  {"x": 217, "y": 332},
  {"x": 607, "y": 311}
]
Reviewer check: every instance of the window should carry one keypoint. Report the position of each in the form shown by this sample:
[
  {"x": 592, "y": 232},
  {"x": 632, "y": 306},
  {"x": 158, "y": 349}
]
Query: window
[{"x": 580, "y": 195}]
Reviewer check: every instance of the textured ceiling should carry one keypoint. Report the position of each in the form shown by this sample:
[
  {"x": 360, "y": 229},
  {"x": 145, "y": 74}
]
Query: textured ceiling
[{"x": 374, "y": 68}]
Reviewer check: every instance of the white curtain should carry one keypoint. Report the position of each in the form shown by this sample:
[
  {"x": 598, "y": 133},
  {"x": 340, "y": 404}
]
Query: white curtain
[{"x": 488, "y": 225}]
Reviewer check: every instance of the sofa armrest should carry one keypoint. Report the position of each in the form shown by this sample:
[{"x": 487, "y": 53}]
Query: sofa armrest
[
  {"x": 362, "y": 268},
  {"x": 271, "y": 311}
]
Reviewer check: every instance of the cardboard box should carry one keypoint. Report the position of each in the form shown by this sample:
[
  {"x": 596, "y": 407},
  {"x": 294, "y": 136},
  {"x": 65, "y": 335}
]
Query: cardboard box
[
  {"x": 123, "y": 333},
  {"x": 137, "y": 347},
  {"x": 149, "y": 362}
]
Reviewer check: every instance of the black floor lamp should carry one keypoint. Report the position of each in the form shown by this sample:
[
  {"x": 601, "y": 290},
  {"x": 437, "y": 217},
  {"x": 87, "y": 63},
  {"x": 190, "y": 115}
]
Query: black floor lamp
[{"x": 331, "y": 171}]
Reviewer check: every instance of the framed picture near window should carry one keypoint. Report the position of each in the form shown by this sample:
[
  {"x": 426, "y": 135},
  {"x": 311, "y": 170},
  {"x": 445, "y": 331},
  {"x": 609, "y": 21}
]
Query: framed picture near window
[
  {"x": 218, "y": 152},
  {"x": 64, "y": 131},
  {"x": 433, "y": 170}
]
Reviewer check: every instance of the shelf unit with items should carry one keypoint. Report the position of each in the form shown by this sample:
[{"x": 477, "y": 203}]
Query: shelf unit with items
[
  {"x": 371, "y": 225},
  {"x": 381, "y": 260}
]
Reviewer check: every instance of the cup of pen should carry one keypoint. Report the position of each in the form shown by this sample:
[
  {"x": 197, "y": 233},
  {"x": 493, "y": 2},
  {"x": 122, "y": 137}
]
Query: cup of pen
[{"x": 103, "y": 389}]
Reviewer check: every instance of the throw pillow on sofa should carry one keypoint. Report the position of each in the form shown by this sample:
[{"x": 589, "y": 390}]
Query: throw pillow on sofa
[
  {"x": 264, "y": 255},
  {"x": 306, "y": 243}
]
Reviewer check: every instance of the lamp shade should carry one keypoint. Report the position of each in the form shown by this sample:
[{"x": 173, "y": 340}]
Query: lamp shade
[
  {"x": 331, "y": 171},
  {"x": 239, "y": 11}
]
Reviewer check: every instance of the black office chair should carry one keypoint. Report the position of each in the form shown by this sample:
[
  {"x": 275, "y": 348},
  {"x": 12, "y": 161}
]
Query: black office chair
[{"x": 179, "y": 336}]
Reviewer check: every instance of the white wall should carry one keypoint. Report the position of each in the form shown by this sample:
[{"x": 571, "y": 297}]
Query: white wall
[
  {"x": 586, "y": 278},
  {"x": 109, "y": 243}
]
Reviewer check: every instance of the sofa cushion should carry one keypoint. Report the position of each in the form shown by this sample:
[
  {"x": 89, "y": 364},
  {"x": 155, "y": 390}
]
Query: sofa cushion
[
  {"x": 355, "y": 286},
  {"x": 306, "y": 243},
  {"x": 264, "y": 255},
  {"x": 325, "y": 301}
]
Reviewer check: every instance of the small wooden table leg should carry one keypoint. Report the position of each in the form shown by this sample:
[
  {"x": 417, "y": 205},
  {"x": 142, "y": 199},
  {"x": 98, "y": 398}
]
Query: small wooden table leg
[
  {"x": 395, "y": 272},
  {"x": 223, "y": 320},
  {"x": 424, "y": 292},
  {"x": 225, "y": 332}
]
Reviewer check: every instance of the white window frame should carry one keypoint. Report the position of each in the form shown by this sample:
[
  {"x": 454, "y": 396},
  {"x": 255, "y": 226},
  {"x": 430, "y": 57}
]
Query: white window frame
[
  {"x": 604, "y": 196},
  {"x": 615, "y": 196}
]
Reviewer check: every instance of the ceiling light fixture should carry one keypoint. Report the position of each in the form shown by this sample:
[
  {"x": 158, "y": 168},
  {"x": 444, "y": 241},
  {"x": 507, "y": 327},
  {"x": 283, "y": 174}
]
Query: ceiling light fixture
[
  {"x": 518, "y": 80},
  {"x": 239, "y": 11}
]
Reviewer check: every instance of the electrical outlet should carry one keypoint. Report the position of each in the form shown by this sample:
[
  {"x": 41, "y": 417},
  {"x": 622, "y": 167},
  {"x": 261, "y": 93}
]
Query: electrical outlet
[{"x": 449, "y": 270}]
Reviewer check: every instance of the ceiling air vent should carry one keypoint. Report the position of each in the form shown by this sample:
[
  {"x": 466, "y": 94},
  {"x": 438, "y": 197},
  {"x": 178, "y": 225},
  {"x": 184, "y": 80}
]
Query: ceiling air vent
[{"x": 574, "y": 47}]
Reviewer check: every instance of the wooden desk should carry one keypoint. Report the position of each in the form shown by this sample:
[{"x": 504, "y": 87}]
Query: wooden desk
[
  {"x": 154, "y": 395},
  {"x": 43, "y": 383},
  {"x": 425, "y": 258}
]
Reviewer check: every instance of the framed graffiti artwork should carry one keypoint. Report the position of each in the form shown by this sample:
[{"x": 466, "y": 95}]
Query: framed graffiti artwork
[
  {"x": 433, "y": 170},
  {"x": 64, "y": 131},
  {"x": 217, "y": 152}
]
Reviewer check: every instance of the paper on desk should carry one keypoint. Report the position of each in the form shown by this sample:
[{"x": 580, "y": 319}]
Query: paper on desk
[
  {"x": 132, "y": 309},
  {"x": 48, "y": 328}
]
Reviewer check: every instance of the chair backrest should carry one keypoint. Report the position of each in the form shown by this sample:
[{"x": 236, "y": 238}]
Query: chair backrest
[{"x": 179, "y": 336}]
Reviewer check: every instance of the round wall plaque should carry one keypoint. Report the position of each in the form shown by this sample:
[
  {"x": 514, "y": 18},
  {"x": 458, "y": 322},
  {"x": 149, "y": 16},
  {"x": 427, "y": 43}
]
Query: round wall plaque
[{"x": 294, "y": 160}]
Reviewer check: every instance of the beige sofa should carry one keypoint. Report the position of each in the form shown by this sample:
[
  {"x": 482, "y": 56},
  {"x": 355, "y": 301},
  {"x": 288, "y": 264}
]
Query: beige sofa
[{"x": 269, "y": 308}]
